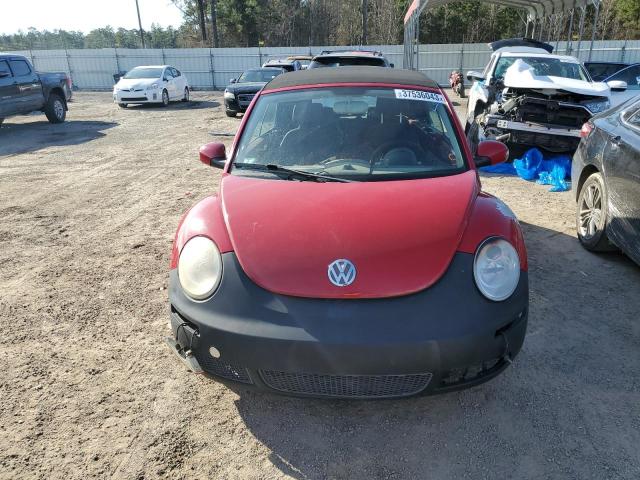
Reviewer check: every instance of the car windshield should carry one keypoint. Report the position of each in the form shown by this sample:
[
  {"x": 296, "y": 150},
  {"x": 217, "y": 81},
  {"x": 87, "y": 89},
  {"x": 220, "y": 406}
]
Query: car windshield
[
  {"x": 334, "y": 61},
  {"x": 600, "y": 71},
  {"x": 144, "y": 72},
  {"x": 258, "y": 76},
  {"x": 352, "y": 133},
  {"x": 285, "y": 66},
  {"x": 544, "y": 66}
]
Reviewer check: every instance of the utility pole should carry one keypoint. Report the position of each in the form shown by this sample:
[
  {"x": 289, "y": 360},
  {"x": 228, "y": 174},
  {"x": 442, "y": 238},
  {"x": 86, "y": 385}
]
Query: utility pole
[
  {"x": 364, "y": 21},
  {"x": 140, "y": 25},
  {"x": 214, "y": 24}
]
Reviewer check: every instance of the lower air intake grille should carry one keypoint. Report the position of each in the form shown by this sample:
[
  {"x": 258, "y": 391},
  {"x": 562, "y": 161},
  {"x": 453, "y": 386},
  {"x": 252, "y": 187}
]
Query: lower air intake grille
[
  {"x": 246, "y": 98},
  {"x": 217, "y": 367},
  {"x": 348, "y": 386}
]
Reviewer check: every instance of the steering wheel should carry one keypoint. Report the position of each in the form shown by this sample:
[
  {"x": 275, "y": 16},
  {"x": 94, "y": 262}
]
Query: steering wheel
[
  {"x": 382, "y": 150},
  {"x": 334, "y": 162}
]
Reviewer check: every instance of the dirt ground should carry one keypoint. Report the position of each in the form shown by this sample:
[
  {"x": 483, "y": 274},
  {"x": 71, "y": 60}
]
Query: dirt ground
[{"x": 88, "y": 389}]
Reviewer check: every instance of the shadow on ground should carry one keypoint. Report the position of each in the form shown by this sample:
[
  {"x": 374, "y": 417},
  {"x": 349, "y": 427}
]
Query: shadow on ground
[
  {"x": 32, "y": 136},
  {"x": 192, "y": 105},
  {"x": 570, "y": 394}
]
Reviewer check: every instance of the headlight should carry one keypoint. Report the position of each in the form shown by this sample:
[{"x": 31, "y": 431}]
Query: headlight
[
  {"x": 598, "y": 106},
  {"x": 153, "y": 87},
  {"x": 229, "y": 95},
  {"x": 199, "y": 268},
  {"x": 496, "y": 269}
]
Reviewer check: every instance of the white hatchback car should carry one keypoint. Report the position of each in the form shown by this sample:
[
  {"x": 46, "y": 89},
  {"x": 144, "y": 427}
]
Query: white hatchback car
[{"x": 151, "y": 84}]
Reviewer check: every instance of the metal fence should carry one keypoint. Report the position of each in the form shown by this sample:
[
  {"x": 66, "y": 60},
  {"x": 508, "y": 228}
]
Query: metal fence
[{"x": 211, "y": 68}]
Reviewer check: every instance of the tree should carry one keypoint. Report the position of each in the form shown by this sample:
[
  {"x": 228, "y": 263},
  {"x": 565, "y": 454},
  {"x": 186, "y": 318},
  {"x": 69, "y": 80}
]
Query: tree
[
  {"x": 628, "y": 15},
  {"x": 214, "y": 24},
  {"x": 201, "y": 19},
  {"x": 100, "y": 38},
  {"x": 247, "y": 23}
]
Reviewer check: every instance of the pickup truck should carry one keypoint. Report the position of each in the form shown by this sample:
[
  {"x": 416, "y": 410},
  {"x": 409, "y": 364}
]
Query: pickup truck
[{"x": 23, "y": 90}]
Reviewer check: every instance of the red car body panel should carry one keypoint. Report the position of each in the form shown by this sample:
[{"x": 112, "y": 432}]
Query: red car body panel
[
  {"x": 492, "y": 218},
  {"x": 204, "y": 218},
  {"x": 401, "y": 235}
]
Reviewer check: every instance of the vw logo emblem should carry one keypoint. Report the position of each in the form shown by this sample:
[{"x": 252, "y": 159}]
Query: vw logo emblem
[{"x": 342, "y": 272}]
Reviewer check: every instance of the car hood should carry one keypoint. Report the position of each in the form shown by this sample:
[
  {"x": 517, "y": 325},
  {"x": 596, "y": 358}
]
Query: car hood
[
  {"x": 400, "y": 235},
  {"x": 520, "y": 75},
  {"x": 249, "y": 87},
  {"x": 135, "y": 83}
]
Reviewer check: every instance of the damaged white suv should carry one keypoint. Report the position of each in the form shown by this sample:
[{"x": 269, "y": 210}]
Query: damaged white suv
[{"x": 527, "y": 97}]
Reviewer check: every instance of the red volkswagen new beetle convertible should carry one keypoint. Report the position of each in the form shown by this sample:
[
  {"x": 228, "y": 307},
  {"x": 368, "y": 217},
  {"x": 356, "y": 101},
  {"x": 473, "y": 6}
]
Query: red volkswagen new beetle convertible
[{"x": 350, "y": 251}]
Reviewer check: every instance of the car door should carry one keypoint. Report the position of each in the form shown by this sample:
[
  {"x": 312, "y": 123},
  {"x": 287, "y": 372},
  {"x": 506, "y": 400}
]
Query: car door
[
  {"x": 8, "y": 91},
  {"x": 180, "y": 80},
  {"x": 630, "y": 75},
  {"x": 622, "y": 173},
  {"x": 479, "y": 92},
  {"x": 170, "y": 84},
  {"x": 30, "y": 94}
]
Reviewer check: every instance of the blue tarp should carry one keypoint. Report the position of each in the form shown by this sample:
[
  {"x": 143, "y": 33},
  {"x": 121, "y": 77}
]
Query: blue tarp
[{"x": 553, "y": 171}]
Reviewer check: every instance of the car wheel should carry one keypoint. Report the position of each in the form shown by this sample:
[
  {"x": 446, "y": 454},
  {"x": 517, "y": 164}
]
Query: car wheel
[
  {"x": 592, "y": 215},
  {"x": 186, "y": 95},
  {"x": 230, "y": 114},
  {"x": 165, "y": 98},
  {"x": 54, "y": 109},
  {"x": 122, "y": 105}
]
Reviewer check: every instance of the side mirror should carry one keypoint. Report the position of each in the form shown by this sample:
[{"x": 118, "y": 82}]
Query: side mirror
[
  {"x": 213, "y": 154},
  {"x": 233, "y": 80},
  {"x": 490, "y": 152},
  {"x": 472, "y": 75},
  {"x": 617, "y": 85}
]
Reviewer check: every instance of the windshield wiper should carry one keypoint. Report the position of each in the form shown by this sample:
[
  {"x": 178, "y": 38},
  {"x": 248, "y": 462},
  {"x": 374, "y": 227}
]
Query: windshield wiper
[{"x": 291, "y": 173}]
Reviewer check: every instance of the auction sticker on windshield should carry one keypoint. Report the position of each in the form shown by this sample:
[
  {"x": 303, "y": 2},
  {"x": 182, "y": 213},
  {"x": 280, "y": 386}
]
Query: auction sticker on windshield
[{"x": 419, "y": 95}]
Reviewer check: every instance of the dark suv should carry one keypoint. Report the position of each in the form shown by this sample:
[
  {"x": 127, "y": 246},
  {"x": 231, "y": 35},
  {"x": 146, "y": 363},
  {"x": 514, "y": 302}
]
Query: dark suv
[
  {"x": 240, "y": 91},
  {"x": 344, "y": 58},
  {"x": 288, "y": 65}
]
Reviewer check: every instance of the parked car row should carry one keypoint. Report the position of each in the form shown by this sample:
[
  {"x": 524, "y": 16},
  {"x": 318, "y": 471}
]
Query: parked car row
[
  {"x": 241, "y": 90},
  {"x": 355, "y": 161}
]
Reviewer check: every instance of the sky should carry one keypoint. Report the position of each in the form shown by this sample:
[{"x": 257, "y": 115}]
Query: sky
[{"x": 84, "y": 15}]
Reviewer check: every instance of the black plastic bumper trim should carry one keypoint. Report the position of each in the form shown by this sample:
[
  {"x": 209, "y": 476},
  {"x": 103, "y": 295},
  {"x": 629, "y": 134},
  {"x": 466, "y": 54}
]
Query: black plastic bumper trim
[{"x": 450, "y": 325}]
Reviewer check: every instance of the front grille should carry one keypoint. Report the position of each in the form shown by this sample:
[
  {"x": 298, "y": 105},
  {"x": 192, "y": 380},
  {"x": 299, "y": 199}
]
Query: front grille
[
  {"x": 134, "y": 99},
  {"x": 346, "y": 386},
  {"x": 217, "y": 367},
  {"x": 550, "y": 112},
  {"x": 245, "y": 98}
]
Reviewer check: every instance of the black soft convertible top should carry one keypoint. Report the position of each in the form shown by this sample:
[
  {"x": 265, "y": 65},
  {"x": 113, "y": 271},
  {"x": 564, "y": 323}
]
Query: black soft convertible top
[
  {"x": 520, "y": 42},
  {"x": 351, "y": 75}
]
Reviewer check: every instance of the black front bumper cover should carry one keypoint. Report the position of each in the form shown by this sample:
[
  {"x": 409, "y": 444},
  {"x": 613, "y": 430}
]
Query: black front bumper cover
[{"x": 446, "y": 337}]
